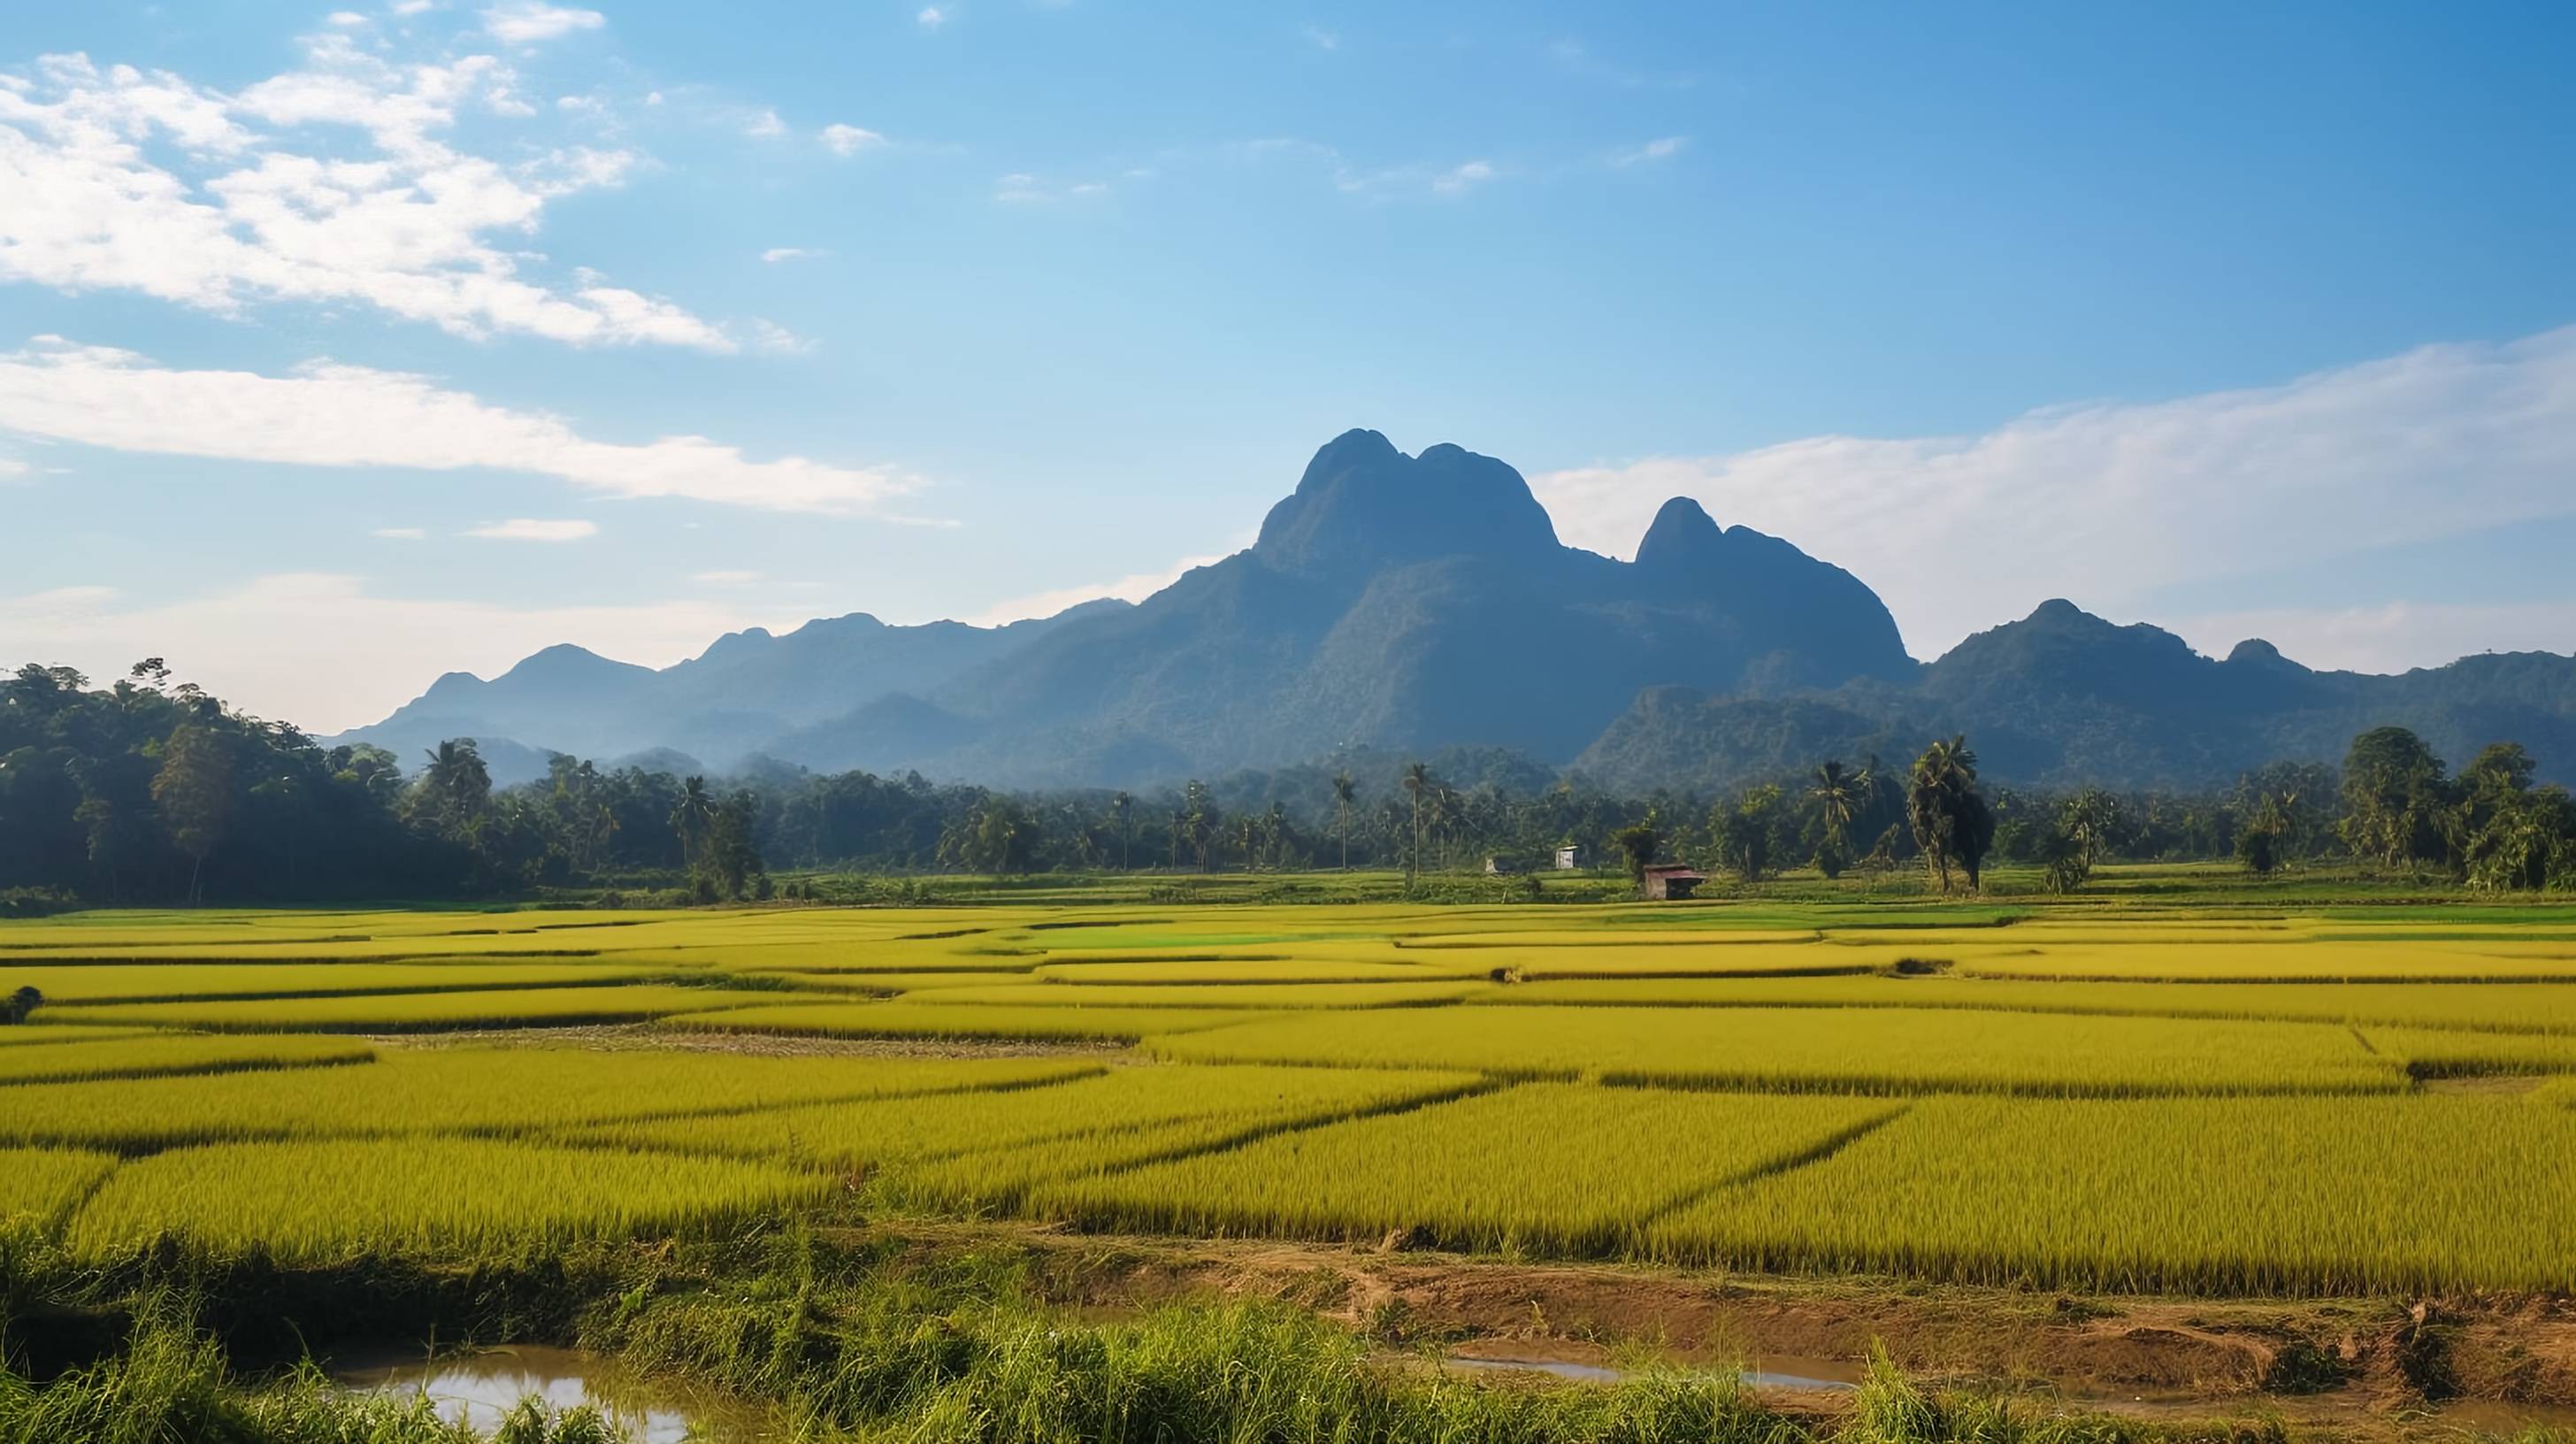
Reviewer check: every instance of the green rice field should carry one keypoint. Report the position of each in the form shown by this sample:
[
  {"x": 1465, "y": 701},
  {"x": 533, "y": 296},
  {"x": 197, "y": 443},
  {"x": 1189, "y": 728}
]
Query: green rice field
[{"x": 2339, "y": 1100}]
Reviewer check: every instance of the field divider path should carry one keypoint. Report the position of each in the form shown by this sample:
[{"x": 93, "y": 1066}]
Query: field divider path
[
  {"x": 1823, "y": 1149},
  {"x": 1280, "y": 1128}
]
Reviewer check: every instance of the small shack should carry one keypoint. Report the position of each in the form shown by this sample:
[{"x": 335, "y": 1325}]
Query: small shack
[
  {"x": 1568, "y": 858},
  {"x": 1672, "y": 881}
]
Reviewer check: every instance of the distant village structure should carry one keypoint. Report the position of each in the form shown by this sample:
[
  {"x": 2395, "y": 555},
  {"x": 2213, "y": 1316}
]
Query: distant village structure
[
  {"x": 1672, "y": 881},
  {"x": 1565, "y": 859}
]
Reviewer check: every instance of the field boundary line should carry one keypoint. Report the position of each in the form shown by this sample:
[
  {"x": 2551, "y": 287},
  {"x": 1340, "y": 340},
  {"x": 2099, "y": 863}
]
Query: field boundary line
[
  {"x": 1817, "y": 1152},
  {"x": 1281, "y": 1128}
]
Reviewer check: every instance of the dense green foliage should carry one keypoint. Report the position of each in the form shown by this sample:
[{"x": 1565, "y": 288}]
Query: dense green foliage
[{"x": 145, "y": 792}]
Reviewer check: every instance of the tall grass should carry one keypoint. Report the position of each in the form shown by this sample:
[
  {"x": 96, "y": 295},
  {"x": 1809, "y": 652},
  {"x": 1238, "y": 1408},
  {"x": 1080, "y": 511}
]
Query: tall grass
[
  {"x": 137, "y": 1057},
  {"x": 38, "y": 1184},
  {"x": 2494, "y": 1007},
  {"x": 1835, "y": 1049},
  {"x": 1057, "y": 994},
  {"x": 477, "y": 1091},
  {"x": 172, "y": 1383},
  {"x": 552, "y": 1007},
  {"x": 1557, "y": 1168},
  {"x": 166, "y": 982},
  {"x": 904, "y": 1018},
  {"x": 315, "y": 1202},
  {"x": 2233, "y": 1195},
  {"x": 1121, "y": 1101}
]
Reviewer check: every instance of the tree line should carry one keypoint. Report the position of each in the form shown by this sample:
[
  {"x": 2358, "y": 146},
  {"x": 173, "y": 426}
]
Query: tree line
[{"x": 148, "y": 792}]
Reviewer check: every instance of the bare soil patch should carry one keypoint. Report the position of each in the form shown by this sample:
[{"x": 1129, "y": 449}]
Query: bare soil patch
[{"x": 2364, "y": 1367}]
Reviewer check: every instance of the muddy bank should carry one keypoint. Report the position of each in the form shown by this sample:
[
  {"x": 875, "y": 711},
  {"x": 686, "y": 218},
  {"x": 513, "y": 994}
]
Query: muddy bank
[{"x": 2363, "y": 1365}]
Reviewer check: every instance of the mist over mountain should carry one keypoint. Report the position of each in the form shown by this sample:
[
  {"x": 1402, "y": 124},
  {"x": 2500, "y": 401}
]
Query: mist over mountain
[{"x": 1411, "y": 603}]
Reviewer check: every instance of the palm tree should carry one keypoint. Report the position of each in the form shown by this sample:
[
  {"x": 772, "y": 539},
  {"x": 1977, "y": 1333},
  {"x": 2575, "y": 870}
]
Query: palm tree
[
  {"x": 1951, "y": 822},
  {"x": 1417, "y": 781},
  {"x": 458, "y": 785},
  {"x": 1840, "y": 796},
  {"x": 691, "y": 816},
  {"x": 1120, "y": 805},
  {"x": 1344, "y": 790}
]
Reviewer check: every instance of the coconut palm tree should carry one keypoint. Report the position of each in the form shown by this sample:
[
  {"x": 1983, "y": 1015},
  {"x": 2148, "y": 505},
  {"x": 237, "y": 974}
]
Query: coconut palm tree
[
  {"x": 1344, "y": 791},
  {"x": 691, "y": 816},
  {"x": 1951, "y": 822},
  {"x": 1840, "y": 795},
  {"x": 1120, "y": 807},
  {"x": 1417, "y": 781}
]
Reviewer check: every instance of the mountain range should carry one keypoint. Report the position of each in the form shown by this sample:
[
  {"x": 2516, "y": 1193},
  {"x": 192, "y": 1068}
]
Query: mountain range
[{"x": 1406, "y": 603}]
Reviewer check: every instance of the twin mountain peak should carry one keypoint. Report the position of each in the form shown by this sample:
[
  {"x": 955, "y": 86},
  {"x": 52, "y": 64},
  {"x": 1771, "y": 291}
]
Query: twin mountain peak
[{"x": 1412, "y": 603}]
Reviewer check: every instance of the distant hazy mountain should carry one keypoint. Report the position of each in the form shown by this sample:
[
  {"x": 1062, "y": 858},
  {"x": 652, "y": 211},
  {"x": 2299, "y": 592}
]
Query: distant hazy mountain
[
  {"x": 1411, "y": 603},
  {"x": 2063, "y": 697},
  {"x": 719, "y": 707}
]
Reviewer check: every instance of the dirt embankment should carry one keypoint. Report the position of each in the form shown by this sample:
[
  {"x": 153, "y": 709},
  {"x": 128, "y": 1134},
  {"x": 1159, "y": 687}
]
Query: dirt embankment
[{"x": 2358, "y": 1366}]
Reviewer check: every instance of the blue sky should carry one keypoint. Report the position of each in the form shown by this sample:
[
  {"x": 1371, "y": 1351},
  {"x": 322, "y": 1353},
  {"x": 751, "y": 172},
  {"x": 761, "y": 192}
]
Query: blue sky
[{"x": 341, "y": 348}]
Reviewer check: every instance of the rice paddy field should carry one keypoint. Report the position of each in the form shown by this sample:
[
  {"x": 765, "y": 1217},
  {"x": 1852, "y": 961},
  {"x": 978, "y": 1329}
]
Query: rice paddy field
[{"x": 2323, "y": 1100}]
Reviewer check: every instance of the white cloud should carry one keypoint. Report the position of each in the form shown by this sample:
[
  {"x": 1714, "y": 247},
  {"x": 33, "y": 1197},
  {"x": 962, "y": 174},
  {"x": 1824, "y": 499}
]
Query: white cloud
[
  {"x": 931, "y": 17},
  {"x": 1463, "y": 178},
  {"x": 764, "y": 124},
  {"x": 2389, "y": 638},
  {"x": 326, "y": 414},
  {"x": 128, "y": 180},
  {"x": 776, "y": 254},
  {"x": 1133, "y": 588},
  {"x": 725, "y": 578},
  {"x": 849, "y": 139},
  {"x": 1414, "y": 179},
  {"x": 1321, "y": 38},
  {"x": 773, "y": 339},
  {"x": 12, "y": 469},
  {"x": 1022, "y": 188},
  {"x": 532, "y": 529},
  {"x": 256, "y": 645},
  {"x": 1664, "y": 148},
  {"x": 2109, "y": 503},
  {"x": 401, "y": 533},
  {"x": 413, "y": 7},
  {"x": 345, "y": 19},
  {"x": 528, "y": 23}
]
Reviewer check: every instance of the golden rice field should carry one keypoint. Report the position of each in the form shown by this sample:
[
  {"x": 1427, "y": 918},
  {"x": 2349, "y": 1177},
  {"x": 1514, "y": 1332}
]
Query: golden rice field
[{"x": 2339, "y": 1100}]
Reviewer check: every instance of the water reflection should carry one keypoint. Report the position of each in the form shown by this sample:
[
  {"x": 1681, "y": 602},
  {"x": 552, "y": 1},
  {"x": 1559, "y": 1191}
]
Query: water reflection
[{"x": 481, "y": 1388}]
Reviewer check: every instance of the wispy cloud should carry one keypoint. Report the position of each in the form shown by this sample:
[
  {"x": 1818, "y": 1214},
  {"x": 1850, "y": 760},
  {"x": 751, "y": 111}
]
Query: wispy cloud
[
  {"x": 1664, "y": 148},
  {"x": 401, "y": 533},
  {"x": 931, "y": 17},
  {"x": 1321, "y": 38},
  {"x": 776, "y": 254},
  {"x": 255, "y": 644},
  {"x": 1579, "y": 59},
  {"x": 764, "y": 124},
  {"x": 849, "y": 139},
  {"x": 1024, "y": 188},
  {"x": 529, "y": 23},
  {"x": 233, "y": 214},
  {"x": 2111, "y": 503},
  {"x": 725, "y": 578},
  {"x": 327, "y": 414},
  {"x": 532, "y": 529},
  {"x": 1458, "y": 180},
  {"x": 1132, "y": 588}
]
